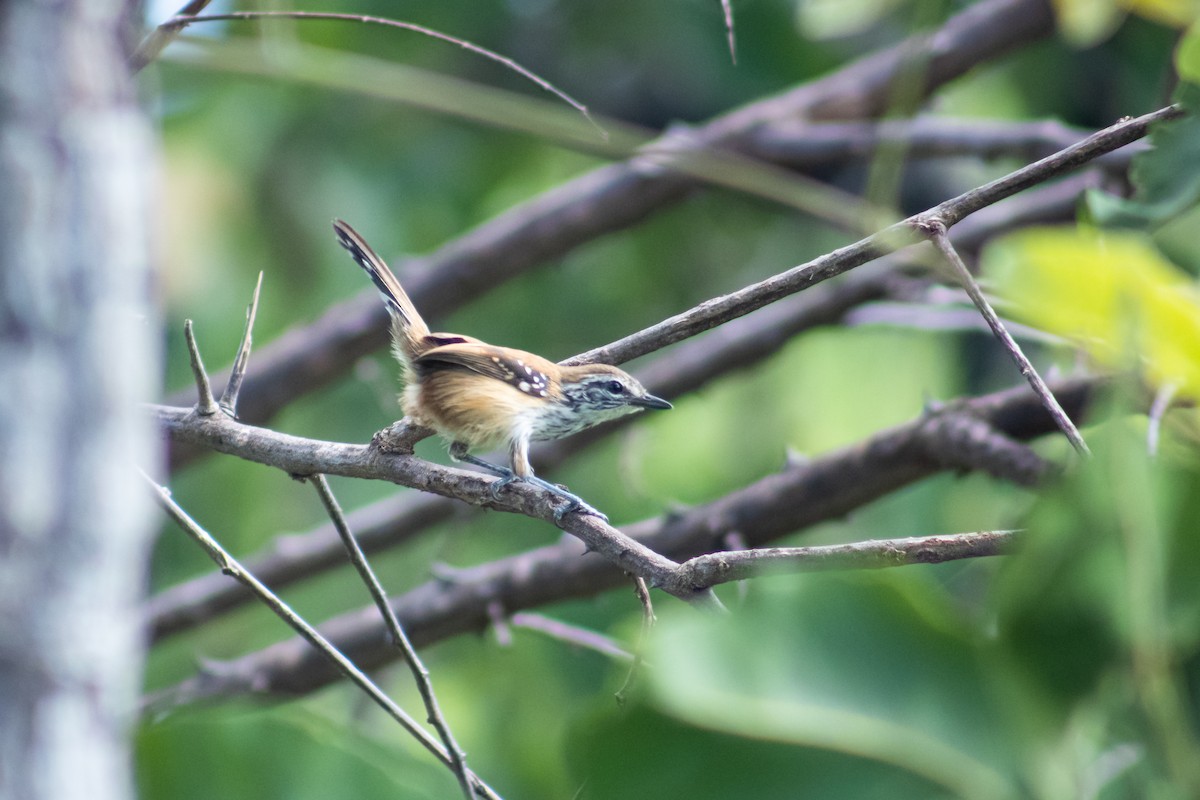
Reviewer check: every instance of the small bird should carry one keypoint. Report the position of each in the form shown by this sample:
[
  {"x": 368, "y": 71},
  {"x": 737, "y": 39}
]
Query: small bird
[{"x": 478, "y": 395}]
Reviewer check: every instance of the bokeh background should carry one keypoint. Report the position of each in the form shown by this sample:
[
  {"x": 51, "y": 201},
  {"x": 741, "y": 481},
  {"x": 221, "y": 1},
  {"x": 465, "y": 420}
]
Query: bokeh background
[{"x": 1066, "y": 671}]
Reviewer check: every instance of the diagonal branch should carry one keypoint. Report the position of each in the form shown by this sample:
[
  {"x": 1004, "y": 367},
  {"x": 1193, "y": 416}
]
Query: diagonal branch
[
  {"x": 458, "y": 759},
  {"x": 718, "y": 310},
  {"x": 297, "y": 456},
  {"x": 320, "y": 644},
  {"x": 935, "y": 229}
]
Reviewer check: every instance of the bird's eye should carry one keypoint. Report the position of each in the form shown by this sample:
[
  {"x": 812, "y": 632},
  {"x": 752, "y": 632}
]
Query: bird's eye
[{"x": 616, "y": 387}]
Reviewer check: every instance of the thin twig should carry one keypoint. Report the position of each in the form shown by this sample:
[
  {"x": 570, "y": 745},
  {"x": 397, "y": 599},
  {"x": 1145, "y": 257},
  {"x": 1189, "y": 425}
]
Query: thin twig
[
  {"x": 720, "y": 310},
  {"x": 1158, "y": 409},
  {"x": 206, "y": 406},
  {"x": 183, "y": 21},
  {"x": 727, "y": 10},
  {"x": 935, "y": 229},
  {"x": 230, "y": 566},
  {"x": 233, "y": 387},
  {"x": 648, "y": 619},
  {"x": 160, "y": 37},
  {"x": 718, "y": 568},
  {"x": 571, "y": 634},
  {"x": 420, "y": 674}
]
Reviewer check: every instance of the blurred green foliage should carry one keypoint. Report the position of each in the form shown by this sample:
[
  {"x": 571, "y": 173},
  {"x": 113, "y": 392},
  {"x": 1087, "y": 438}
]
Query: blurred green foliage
[{"x": 1069, "y": 670}]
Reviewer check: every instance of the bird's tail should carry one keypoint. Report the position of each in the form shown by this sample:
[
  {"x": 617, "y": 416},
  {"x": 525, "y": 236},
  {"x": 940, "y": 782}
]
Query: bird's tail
[{"x": 409, "y": 331}]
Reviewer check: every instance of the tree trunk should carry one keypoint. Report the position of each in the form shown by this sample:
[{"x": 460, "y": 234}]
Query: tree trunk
[{"x": 78, "y": 353}]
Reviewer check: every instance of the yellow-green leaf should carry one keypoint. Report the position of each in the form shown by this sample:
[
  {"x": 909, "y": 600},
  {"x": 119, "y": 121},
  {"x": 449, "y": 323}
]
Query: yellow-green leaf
[{"x": 1113, "y": 293}]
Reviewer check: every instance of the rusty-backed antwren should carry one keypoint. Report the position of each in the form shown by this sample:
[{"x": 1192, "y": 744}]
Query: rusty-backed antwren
[{"x": 478, "y": 395}]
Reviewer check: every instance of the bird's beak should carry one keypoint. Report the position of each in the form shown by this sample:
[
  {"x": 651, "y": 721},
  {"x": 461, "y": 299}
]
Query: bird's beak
[{"x": 650, "y": 401}]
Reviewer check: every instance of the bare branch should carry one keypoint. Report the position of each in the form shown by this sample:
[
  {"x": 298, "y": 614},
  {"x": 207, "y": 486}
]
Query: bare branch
[
  {"x": 819, "y": 490},
  {"x": 717, "y": 568},
  {"x": 612, "y": 198},
  {"x": 230, "y": 566},
  {"x": 184, "y": 20},
  {"x": 458, "y": 759},
  {"x": 298, "y": 456},
  {"x": 160, "y": 37},
  {"x": 571, "y": 634},
  {"x": 719, "y": 310},
  {"x": 935, "y": 229},
  {"x": 737, "y": 345}
]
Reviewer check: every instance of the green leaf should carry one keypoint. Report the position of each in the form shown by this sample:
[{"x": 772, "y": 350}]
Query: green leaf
[
  {"x": 1086, "y": 23},
  {"x": 232, "y": 752},
  {"x": 855, "y": 666},
  {"x": 1094, "y": 614},
  {"x": 1187, "y": 55},
  {"x": 645, "y": 753},
  {"x": 1112, "y": 293},
  {"x": 1167, "y": 176}
]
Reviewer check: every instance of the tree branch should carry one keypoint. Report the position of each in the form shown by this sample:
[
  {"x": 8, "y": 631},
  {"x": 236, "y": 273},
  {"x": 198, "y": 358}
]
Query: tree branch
[
  {"x": 718, "y": 310},
  {"x": 803, "y": 494},
  {"x": 297, "y": 456},
  {"x": 458, "y": 759},
  {"x": 319, "y": 644},
  {"x": 935, "y": 229},
  {"x": 717, "y": 568},
  {"x": 736, "y": 345},
  {"x": 609, "y": 199}
]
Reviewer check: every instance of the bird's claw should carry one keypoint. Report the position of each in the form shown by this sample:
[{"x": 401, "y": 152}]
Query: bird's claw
[
  {"x": 497, "y": 485},
  {"x": 577, "y": 506}
]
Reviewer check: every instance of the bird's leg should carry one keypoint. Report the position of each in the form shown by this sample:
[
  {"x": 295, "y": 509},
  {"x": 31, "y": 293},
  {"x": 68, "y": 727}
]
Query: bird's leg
[{"x": 458, "y": 451}]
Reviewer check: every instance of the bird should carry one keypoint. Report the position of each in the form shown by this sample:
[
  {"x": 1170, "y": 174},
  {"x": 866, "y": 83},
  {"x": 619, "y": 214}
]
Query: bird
[{"x": 481, "y": 396}]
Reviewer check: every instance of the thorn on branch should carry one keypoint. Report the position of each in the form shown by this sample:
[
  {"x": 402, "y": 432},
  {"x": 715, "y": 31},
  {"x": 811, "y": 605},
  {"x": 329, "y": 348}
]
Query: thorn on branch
[
  {"x": 727, "y": 9},
  {"x": 206, "y": 406},
  {"x": 500, "y": 627},
  {"x": 229, "y": 397}
]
